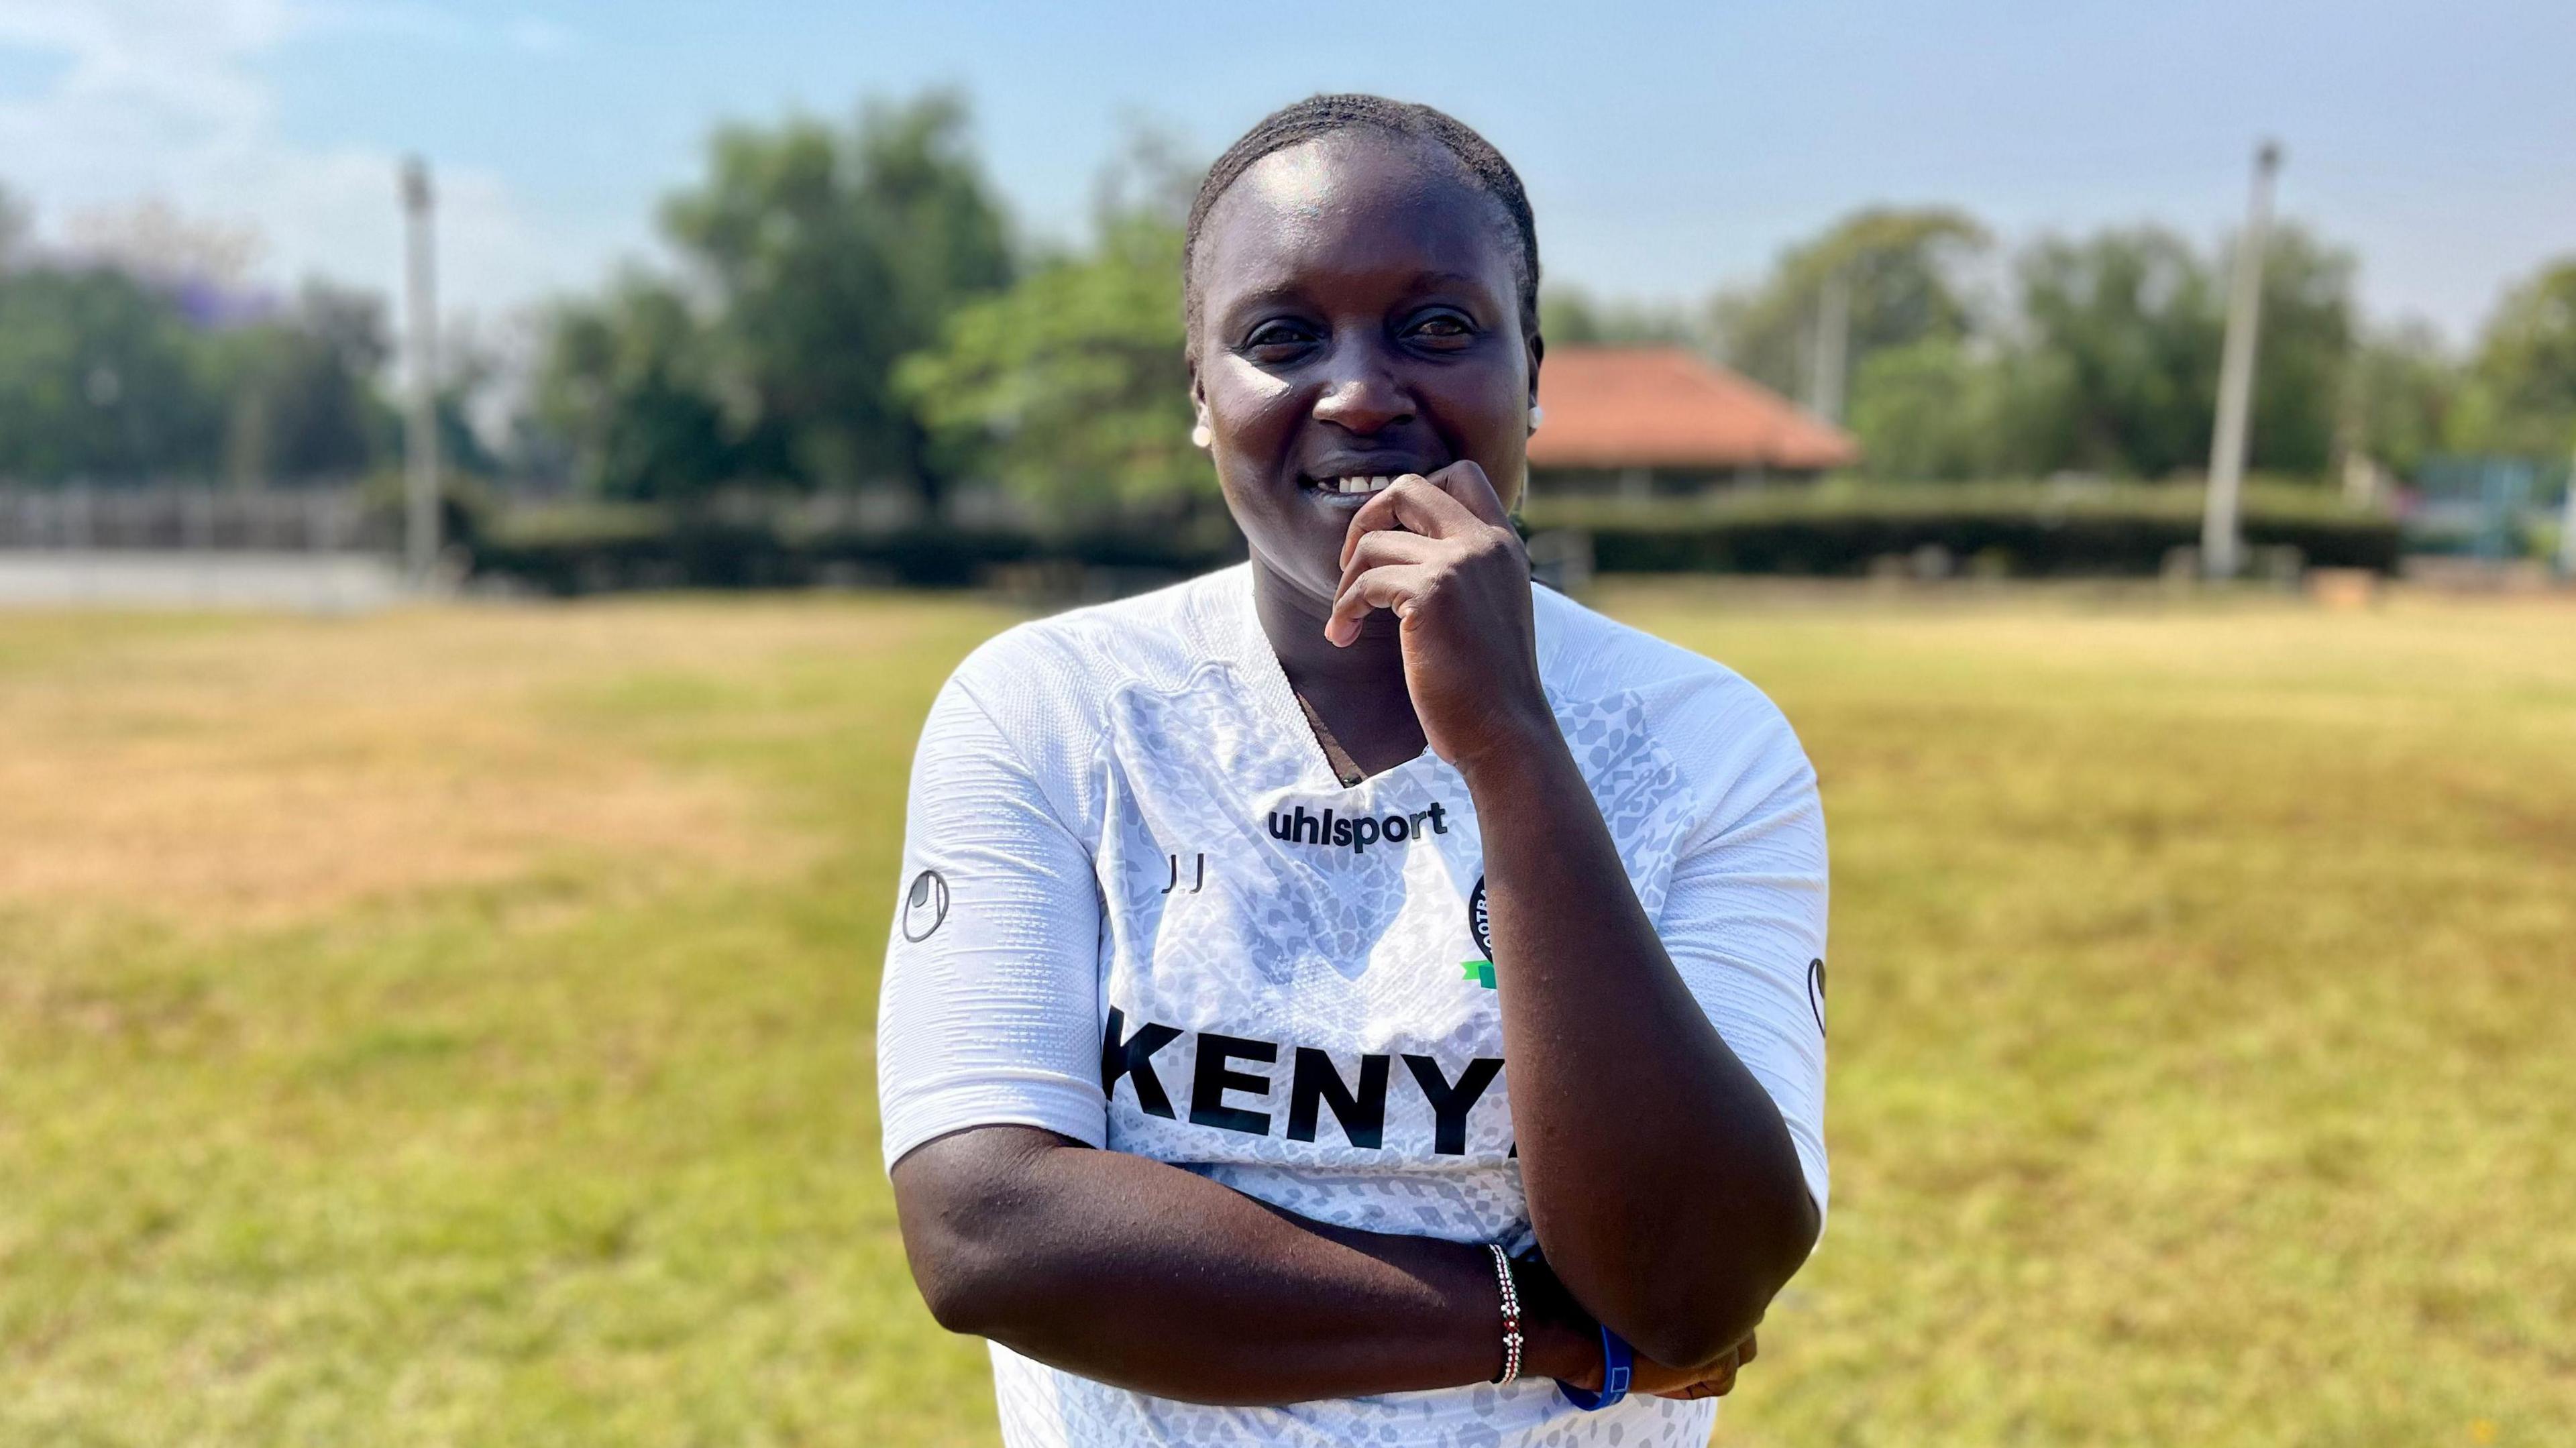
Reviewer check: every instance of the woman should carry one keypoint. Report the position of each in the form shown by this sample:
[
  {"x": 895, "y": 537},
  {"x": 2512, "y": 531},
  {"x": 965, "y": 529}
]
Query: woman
[{"x": 1223, "y": 907}]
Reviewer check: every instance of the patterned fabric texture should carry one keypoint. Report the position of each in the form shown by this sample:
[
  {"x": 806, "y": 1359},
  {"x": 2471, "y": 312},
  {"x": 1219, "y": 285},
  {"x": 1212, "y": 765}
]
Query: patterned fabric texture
[{"x": 1121, "y": 830}]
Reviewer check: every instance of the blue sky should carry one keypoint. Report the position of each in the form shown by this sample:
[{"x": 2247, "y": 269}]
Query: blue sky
[{"x": 1669, "y": 148}]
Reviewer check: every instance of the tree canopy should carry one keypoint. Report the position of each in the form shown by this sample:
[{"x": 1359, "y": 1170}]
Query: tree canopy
[
  {"x": 1071, "y": 387},
  {"x": 2525, "y": 367},
  {"x": 105, "y": 377},
  {"x": 2107, "y": 362},
  {"x": 818, "y": 257},
  {"x": 1902, "y": 271}
]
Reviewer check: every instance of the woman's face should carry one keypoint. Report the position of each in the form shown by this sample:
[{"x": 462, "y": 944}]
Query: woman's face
[{"x": 1359, "y": 317}]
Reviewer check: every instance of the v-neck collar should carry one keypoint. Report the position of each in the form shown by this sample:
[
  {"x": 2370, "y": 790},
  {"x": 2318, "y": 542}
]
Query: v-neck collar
[{"x": 1277, "y": 699}]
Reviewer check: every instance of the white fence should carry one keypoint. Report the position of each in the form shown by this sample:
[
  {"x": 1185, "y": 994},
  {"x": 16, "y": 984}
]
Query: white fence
[
  {"x": 167, "y": 546},
  {"x": 196, "y": 519}
]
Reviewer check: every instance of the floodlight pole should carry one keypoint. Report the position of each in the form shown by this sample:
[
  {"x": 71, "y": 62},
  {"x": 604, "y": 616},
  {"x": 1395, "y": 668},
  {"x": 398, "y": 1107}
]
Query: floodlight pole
[
  {"x": 1833, "y": 341},
  {"x": 2221, "y": 546},
  {"x": 420, "y": 431}
]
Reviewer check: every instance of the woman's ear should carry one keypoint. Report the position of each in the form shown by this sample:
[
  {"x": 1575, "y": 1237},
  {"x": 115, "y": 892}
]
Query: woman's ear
[{"x": 1201, "y": 436}]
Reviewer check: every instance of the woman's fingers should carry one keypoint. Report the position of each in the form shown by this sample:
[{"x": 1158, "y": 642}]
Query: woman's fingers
[
  {"x": 1717, "y": 1384},
  {"x": 1467, "y": 482},
  {"x": 1413, "y": 503},
  {"x": 1717, "y": 1379},
  {"x": 1390, "y": 545},
  {"x": 1393, "y": 586}
]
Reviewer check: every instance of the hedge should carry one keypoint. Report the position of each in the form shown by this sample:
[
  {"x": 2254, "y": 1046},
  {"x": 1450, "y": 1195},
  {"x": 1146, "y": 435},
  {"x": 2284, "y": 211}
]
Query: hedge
[
  {"x": 746, "y": 555},
  {"x": 2027, "y": 530}
]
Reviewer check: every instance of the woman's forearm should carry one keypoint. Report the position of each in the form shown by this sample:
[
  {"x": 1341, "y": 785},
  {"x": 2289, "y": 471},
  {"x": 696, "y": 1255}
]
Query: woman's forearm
[
  {"x": 1133, "y": 1272},
  {"x": 1661, "y": 1180}
]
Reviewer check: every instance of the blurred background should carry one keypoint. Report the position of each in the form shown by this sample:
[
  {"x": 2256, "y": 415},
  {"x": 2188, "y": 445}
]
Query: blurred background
[{"x": 488, "y": 491}]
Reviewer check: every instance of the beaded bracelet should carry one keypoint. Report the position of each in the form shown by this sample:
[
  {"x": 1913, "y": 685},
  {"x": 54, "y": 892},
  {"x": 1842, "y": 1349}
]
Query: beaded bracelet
[{"x": 1511, "y": 1315}]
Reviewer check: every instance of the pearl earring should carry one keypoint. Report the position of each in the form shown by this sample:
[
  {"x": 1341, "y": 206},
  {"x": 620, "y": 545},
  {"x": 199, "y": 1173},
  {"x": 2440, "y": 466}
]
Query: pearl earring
[
  {"x": 1200, "y": 437},
  {"x": 1537, "y": 414}
]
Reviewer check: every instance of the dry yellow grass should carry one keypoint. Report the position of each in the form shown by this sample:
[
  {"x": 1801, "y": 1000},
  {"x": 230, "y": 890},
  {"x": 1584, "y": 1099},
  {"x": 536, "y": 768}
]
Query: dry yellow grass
[
  {"x": 2204, "y": 977},
  {"x": 451, "y": 1026},
  {"x": 265, "y": 771}
]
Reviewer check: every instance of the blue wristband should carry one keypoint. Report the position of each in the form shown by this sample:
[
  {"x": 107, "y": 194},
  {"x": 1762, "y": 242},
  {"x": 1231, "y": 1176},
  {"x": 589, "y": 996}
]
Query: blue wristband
[{"x": 1617, "y": 1363}]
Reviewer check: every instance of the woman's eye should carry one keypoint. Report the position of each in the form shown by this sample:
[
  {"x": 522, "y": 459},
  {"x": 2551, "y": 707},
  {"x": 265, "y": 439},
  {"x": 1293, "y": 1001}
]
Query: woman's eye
[
  {"x": 1277, "y": 339},
  {"x": 1442, "y": 329}
]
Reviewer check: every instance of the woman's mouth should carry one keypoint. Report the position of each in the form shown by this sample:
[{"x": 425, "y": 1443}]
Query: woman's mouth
[{"x": 1354, "y": 486}]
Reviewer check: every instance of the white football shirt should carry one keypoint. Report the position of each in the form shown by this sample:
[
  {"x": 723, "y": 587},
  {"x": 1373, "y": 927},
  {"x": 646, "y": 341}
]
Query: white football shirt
[{"x": 1139, "y": 908}]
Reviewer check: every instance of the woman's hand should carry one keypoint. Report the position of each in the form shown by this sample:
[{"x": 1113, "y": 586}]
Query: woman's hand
[
  {"x": 1713, "y": 1381},
  {"x": 1441, "y": 555},
  {"x": 1651, "y": 1378},
  {"x": 1565, "y": 1344}
]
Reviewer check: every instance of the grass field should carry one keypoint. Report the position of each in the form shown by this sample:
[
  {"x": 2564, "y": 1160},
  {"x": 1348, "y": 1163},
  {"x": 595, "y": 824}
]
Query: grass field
[{"x": 453, "y": 1027}]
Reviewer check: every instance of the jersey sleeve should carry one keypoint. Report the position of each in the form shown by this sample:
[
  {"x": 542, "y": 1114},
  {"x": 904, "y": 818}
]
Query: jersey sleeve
[
  {"x": 988, "y": 1011},
  {"x": 1744, "y": 920}
]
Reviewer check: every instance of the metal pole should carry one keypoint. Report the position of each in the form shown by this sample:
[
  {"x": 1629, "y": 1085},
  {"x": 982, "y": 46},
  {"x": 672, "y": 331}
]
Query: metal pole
[
  {"x": 1833, "y": 341},
  {"x": 420, "y": 432},
  {"x": 2221, "y": 548}
]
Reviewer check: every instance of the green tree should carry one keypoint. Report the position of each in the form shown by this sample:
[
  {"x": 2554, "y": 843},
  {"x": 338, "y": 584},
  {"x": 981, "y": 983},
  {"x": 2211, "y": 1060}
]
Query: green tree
[
  {"x": 830, "y": 256},
  {"x": 15, "y": 223},
  {"x": 625, "y": 381},
  {"x": 1571, "y": 316},
  {"x": 1930, "y": 410},
  {"x": 2402, "y": 398},
  {"x": 2128, "y": 321},
  {"x": 2305, "y": 348},
  {"x": 299, "y": 395},
  {"x": 100, "y": 378},
  {"x": 1070, "y": 387},
  {"x": 2129, "y": 324},
  {"x": 1902, "y": 269},
  {"x": 2526, "y": 365}
]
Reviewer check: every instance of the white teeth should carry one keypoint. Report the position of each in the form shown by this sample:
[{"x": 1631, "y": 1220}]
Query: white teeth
[{"x": 1361, "y": 485}]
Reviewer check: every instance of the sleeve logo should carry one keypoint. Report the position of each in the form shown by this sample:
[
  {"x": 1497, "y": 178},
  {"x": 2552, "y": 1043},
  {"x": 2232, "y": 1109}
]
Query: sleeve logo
[
  {"x": 1816, "y": 992},
  {"x": 1480, "y": 926},
  {"x": 925, "y": 905}
]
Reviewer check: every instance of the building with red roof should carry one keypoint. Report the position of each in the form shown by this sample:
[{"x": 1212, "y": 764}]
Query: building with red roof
[{"x": 1643, "y": 421}]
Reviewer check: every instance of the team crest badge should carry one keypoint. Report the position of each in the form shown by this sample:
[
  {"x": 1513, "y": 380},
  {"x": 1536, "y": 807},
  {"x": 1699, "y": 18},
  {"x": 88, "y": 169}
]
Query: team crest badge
[{"x": 1480, "y": 928}]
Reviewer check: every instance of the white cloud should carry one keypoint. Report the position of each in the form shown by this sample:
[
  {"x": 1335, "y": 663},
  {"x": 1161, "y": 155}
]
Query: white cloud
[{"x": 164, "y": 99}]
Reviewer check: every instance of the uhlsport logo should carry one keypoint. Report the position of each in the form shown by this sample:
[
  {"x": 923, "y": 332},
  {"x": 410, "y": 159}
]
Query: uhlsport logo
[
  {"x": 925, "y": 905},
  {"x": 1480, "y": 927},
  {"x": 1816, "y": 992},
  {"x": 1356, "y": 833}
]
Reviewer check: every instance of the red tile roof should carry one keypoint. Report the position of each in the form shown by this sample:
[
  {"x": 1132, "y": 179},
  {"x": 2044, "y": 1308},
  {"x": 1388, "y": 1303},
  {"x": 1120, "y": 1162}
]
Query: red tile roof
[{"x": 1645, "y": 407}]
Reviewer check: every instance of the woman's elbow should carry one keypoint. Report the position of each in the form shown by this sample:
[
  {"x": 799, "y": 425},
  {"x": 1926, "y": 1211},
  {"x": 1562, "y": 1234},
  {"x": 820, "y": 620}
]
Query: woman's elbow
[
  {"x": 962, "y": 1296},
  {"x": 960, "y": 1216},
  {"x": 1699, "y": 1334},
  {"x": 1692, "y": 1323}
]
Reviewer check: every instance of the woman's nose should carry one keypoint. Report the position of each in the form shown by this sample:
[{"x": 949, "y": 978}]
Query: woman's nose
[{"x": 1363, "y": 396}]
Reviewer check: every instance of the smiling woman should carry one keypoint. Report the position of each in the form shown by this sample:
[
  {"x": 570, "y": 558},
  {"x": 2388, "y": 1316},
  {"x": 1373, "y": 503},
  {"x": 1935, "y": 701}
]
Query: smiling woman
[{"x": 1139, "y": 1117}]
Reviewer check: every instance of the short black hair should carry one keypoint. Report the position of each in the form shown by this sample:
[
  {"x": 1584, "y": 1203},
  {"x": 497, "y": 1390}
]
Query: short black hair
[{"x": 1324, "y": 115}]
